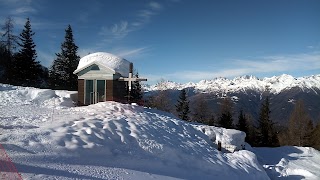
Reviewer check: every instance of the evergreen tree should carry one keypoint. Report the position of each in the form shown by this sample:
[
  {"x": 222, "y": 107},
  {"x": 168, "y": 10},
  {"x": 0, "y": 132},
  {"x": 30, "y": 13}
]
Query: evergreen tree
[
  {"x": 8, "y": 39},
  {"x": 5, "y": 64},
  {"x": 315, "y": 136},
  {"x": 251, "y": 136},
  {"x": 300, "y": 126},
  {"x": 136, "y": 91},
  {"x": 27, "y": 70},
  {"x": 8, "y": 44},
  {"x": 201, "y": 111},
  {"x": 267, "y": 134},
  {"x": 225, "y": 119},
  {"x": 61, "y": 72},
  {"x": 242, "y": 122},
  {"x": 182, "y": 107}
]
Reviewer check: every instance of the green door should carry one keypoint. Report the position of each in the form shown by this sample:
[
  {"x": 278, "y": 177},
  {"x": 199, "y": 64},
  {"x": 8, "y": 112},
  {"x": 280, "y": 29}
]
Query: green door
[
  {"x": 95, "y": 91},
  {"x": 101, "y": 91}
]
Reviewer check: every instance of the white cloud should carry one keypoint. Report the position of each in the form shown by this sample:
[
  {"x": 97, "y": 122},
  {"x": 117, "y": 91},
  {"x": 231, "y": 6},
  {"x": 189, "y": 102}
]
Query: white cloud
[
  {"x": 146, "y": 14},
  {"x": 131, "y": 52},
  {"x": 15, "y": 2},
  {"x": 124, "y": 52},
  {"x": 199, "y": 75},
  {"x": 155, "y": 6},
  {"x": 23, "y": 10},
  {"x": 116, "y": 31},
  {"x": 283, "y": 63},
  {"x": 122, "y": 29},
  {"x": 268, "y": 64}
]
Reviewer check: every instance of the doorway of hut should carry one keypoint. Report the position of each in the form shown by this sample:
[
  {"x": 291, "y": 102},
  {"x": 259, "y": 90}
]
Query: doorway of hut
[{"x": 95, "y": 91}]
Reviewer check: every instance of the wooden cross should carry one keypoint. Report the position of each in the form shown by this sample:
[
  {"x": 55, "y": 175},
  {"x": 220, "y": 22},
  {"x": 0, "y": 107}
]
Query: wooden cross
[{"x": 131, "y": 79}]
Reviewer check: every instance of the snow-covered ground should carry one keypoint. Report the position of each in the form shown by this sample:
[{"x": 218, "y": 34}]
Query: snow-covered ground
[
  {"x": 47, "y": 138},
  {"x": 290, "y": 162}
]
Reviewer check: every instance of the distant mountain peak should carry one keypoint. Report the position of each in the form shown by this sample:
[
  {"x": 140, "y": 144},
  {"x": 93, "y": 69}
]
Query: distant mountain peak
[{"x": 275, "y": 84}]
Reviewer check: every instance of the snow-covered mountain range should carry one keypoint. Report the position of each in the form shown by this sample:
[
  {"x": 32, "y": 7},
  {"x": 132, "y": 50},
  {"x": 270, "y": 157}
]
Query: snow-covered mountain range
[
  {"x": 275, "y": 84},
  {"x": 248, "y": 92}
]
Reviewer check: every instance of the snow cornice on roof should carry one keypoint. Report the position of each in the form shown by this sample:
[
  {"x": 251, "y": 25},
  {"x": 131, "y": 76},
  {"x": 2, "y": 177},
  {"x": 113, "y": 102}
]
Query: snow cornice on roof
[{"x": 107, "y": 60}]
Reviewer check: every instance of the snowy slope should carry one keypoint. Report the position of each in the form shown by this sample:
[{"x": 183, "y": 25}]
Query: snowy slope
[
  {"x": 276, "y": 84},
  {"x": 47, "y": 138},
  {"x": 290, "y": 162}
]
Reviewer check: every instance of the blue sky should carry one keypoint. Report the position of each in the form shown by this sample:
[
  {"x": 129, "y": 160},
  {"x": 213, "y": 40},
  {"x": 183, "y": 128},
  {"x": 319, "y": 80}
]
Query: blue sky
[{"x": 181, "y": 40}]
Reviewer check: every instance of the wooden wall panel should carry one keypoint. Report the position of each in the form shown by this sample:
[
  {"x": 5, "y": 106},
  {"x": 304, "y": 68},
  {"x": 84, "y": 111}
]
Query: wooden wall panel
[
  {"x": 80, "y": 92},
  {"x": 109, "y": 90},
  {"x": 120, "y": 91}
]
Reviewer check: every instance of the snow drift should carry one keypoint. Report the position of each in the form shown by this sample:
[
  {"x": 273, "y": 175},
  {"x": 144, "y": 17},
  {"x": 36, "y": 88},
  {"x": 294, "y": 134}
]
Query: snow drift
[{"x": 47, "y": 138}]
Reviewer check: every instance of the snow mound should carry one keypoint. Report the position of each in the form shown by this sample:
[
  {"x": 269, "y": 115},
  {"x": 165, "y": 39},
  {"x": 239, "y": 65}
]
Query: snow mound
[
  {"x": 109, "y": 140},
  {"x": 6, "y": 87},
  {"x": 132, "y": 136},
  {"x": 108, "y": 60},
  {"x": 230, "y": 138},
  {"x": 290, "y": 162},
  {"x": 27, "y": 95}
]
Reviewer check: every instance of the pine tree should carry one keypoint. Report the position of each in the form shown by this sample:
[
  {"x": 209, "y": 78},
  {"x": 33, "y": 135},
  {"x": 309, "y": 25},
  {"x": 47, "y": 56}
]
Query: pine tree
[
  {"x": 242, "y": 122},
  {"x": 300, "y": 126},
  {"x": 136, "y": 91},
  {"x": 251, "y": 136},
  {"x": 61, "y": 72},
  {"x": 225, "y": 119},
  {"x": 5, "y": 64},
  {"x": 201, "y": 111},
  {"x": 267, "y": 134},
  {"x": 315, "y": 136},
  {"x": 8, "y": 38},
  {"x": 27, "y": 70},
  {"x": 182, "y": 107}
]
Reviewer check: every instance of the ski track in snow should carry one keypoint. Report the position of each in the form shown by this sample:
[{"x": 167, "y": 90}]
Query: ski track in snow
[{"x": 47, "y": 138}]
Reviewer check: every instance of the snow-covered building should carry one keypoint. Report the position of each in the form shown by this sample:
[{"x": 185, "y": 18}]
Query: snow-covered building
[{"x": 103, "y": 77}]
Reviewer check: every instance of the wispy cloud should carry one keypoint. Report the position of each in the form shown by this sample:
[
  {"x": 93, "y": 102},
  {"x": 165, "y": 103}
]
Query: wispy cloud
[
  {"x": 268, "y": 64},
  {"x": 155, "y": 5},
  {"x": 19, "y": 10},
  {"x": 17, "y": 7},
  {"x": 23, "y": 10},
  {"x": 123, "y": 28},
  {"x": 14, "y": 2},
  {"x": 132, "y": 52},
  {"x": 117, "y": 31}
]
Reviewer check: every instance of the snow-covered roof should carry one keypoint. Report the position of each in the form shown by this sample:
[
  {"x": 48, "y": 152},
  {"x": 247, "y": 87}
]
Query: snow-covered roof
[{"x": 113, "y": 62}]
